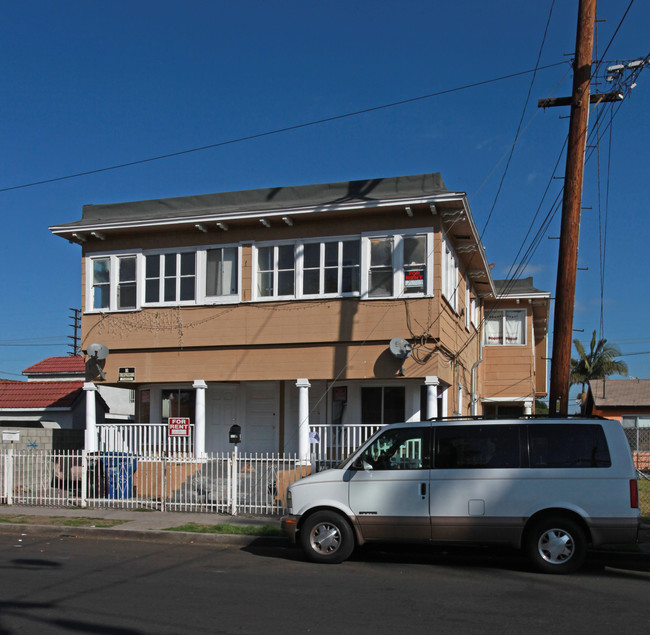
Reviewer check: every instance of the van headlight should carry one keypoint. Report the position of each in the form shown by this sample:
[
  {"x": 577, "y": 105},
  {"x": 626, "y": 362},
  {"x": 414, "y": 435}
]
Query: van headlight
[{"x": 289, "y": 501}]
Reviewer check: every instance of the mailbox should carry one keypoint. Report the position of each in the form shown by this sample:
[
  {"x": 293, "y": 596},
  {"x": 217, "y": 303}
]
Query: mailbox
[{"x": 234, "y": 436}]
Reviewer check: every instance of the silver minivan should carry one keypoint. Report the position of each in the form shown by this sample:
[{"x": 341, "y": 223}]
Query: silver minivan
[{"x": 551, "y": 487}]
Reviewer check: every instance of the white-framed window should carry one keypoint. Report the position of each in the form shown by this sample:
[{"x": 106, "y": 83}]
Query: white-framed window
[
  {"x": 449, "y": 274},
  {"x": 221, "y": 272},
  {"x": 467, "y": 304},
  {"x": 505, "y": 327},
  {"x": 112, "y": 282},
  {"x": 475, "y": 309},
  {"x": 397, "y": 265},
  {"x": 203, "y": 275},
  {"x": 276, "y": 271},
  {"x": 330, "y": 267},
  {"x": 170, "y": 277}
]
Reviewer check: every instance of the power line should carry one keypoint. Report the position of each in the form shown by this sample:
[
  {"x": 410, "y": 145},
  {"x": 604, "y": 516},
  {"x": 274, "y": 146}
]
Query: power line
[{"x": 279, "y": 130}]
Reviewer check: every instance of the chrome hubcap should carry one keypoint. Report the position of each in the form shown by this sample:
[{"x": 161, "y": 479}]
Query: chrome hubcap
[
  {"x": 556, "y": 546},
  {"x": 325, "y": 538}
]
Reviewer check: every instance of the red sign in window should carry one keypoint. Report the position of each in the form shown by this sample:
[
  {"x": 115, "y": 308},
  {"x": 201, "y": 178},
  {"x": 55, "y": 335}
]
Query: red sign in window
[
  {"x": 179, "y": 426},
  {"x": 414, "y": 278}
]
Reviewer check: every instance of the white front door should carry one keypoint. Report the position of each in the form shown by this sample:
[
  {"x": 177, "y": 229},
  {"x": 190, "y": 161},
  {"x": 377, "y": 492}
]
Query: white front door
[
  {"x": 261, "y": 419},
  {"x": 220, "y": 414}
]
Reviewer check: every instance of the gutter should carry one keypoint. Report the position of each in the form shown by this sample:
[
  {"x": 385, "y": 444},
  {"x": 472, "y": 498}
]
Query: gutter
[{"x": 474, "y": 367}]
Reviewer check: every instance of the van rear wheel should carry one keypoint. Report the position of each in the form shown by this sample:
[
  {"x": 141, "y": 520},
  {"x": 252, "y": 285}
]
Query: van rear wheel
[
  {"x": 327, "y": 537},
  {"x": 556, "y": 545}
]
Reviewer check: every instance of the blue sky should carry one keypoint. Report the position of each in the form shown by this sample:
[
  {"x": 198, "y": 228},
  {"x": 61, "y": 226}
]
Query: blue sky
[{"x": 91, "y": 85}]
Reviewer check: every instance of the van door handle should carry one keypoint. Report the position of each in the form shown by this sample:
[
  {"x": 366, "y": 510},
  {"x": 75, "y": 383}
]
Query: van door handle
[{"x": 423, "y": 490}]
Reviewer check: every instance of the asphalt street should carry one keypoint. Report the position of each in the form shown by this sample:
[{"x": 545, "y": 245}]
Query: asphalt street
[{"x": 67, "y": 584}]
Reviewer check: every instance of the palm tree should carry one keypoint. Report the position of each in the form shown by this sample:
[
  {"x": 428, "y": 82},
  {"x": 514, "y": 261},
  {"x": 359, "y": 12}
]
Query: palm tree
[{"x": 597, "y": 364}]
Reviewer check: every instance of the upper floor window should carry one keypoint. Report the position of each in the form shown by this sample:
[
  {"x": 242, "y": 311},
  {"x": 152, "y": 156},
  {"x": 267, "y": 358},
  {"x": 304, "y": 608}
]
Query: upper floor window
[
  {"x": 505, "y": 327},
  {"x": 449, "y": 274},
  {"x": 330, "y": 267},
  {"x": 221, "y": 272},
  {"x": 170, "y": 278},
  {"x": 113, "y": 282},
  {"x": 397, "y": 265},
  {"x": 276, "y": 271}
]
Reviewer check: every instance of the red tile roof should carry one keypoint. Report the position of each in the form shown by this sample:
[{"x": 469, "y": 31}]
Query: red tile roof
[
  {"x": 51, "y": 365},
  {"x": 39, "y": 394}
]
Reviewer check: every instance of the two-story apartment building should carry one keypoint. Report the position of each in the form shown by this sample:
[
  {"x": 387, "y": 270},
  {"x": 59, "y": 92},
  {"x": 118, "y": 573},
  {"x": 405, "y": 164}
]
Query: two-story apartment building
[{"x": 276, "y": 308}]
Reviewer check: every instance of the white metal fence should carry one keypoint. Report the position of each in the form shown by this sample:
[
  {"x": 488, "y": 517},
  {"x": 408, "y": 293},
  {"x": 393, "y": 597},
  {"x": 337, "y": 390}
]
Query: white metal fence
[
  {"x": 143, "y": 439},
  {"x": 225, "y": 483},
  {"x": 331, "y": 444}
]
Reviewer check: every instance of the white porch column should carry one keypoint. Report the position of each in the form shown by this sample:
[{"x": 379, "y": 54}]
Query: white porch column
[
  {"x": 528, "y": 406},
  {"x": 303, "y": 419},
  {"x": 90, "y": 440},
  {"x": 432, "y": 382},
  {"x": 199, "y": 418}
]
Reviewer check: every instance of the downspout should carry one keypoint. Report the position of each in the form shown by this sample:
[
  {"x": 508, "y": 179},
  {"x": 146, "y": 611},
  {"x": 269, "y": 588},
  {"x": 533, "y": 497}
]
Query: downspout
[{"x": 474, "y": 367}]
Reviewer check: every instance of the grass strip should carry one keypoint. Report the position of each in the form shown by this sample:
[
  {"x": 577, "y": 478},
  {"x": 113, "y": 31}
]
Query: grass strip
[
  {"x": 226, "y": 528},
  {"x": 63, "y": 521}
]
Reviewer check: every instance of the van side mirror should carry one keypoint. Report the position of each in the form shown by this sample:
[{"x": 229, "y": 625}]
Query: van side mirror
[{"x": 357, "y": 464}]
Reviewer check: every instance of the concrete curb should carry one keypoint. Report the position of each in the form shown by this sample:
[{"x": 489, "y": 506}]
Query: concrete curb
[{"x": 152, "y": 535}]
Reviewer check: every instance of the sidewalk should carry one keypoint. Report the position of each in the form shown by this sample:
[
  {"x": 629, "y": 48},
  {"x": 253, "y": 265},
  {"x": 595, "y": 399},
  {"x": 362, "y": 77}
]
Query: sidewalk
[
  {"x": 151, "y": 525},
  {"x": 136, "y": 525}
]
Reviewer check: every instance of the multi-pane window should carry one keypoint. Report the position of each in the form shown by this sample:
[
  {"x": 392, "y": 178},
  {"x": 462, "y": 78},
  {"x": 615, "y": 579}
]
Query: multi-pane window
[
  {"x": 381, "y": 405},
  {"x": 397, "y": 265},
  {"x": 221, "y": 272},
  {"x": 276, "y": 270},
  {"x": 113, "y": 283},
  {"x": 101, "y": 286},
  {"x": 380, "y": 272},
  {"x": 127, "y": 283},
  {"x": 505, "y": 327},
  {"x": 449, "y": 274},
  {"x": 330, "y": 267},
  {"x": 415, "y": 264},
  {"x": 170, "y": 277}
]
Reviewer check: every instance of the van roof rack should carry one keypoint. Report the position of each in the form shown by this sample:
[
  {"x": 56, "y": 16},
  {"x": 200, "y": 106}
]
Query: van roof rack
[{"x": 520, "y": 417}]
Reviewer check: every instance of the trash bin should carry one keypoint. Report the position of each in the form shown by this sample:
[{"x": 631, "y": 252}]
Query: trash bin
[
  {"x": 96, "y": 483},
  {"x": 119, "y": 468}
]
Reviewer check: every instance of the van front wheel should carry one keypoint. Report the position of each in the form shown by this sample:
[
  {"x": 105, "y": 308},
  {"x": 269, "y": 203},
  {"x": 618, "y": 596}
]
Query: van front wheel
[
  {"x": 557, "y": 545},
  {"x": 327, "y": 537}
]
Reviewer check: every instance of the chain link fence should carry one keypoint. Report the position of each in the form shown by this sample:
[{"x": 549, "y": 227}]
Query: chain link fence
[{"x": 639, "y": 440}]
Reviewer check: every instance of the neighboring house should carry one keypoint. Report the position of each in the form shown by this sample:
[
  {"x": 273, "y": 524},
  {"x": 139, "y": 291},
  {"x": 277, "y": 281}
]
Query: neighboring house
[
  {"x": 120, "y": 401},
  {"x": 47, "y": 403},
  {"x": 275, "y": 309},
  {"x": 516, "y": 347},
  {"x": 626, "y": 400}
]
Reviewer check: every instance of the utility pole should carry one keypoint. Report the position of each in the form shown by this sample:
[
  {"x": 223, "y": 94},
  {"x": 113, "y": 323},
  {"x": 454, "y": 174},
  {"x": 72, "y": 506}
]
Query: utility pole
[
  {"x": 76, "y": 325},
  {"x": 570, "y": 230}
]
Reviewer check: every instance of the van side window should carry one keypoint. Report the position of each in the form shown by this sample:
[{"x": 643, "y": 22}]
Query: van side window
[
  {"x": 475, "y": 447},
  {"x": 399, "y": 449},
  {"x": 567, "y": 445}
]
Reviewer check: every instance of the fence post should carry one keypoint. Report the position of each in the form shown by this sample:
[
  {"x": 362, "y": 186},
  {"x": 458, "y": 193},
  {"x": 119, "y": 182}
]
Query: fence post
[
  {"x": 234, "y": 482},
  {"x": 163, "y": 493},
  {"x": 84, "y": 478},
  {"x": 9, "y": 475}
]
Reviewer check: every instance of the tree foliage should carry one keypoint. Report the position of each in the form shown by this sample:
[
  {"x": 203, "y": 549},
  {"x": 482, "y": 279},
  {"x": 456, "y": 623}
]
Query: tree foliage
[{"x": 598, "y": 363}]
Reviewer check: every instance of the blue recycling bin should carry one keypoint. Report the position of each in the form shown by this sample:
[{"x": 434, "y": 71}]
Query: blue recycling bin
[{"x": 119, "y": 468}]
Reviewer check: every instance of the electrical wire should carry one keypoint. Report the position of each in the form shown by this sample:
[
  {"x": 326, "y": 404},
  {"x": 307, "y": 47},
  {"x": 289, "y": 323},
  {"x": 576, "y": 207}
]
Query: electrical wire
[{"x": 277, "y": 131}]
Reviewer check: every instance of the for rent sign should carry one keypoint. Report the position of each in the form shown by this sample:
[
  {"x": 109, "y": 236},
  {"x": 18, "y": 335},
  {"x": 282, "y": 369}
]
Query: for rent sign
[{"x": 179, "y": 426}]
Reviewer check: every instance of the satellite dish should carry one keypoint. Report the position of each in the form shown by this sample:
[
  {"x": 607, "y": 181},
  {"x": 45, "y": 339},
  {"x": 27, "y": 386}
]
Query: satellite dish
[
  {"x": 97, "y": 354},
  {"x": 98, "y": 351},
  {"x": 400, "y": 347}
]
